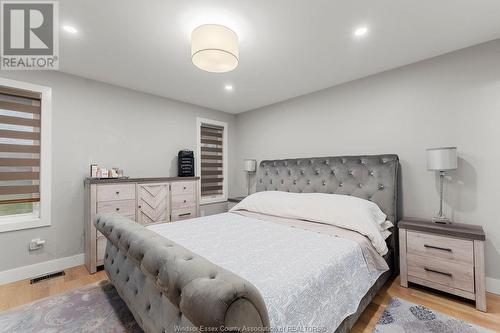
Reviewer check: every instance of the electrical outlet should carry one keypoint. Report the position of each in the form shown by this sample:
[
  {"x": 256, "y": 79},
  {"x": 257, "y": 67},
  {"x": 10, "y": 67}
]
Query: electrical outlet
[{"x": 36, "y": 244}]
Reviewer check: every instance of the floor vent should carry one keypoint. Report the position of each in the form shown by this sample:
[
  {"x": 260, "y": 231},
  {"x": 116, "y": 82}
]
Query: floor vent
[{"x": 46, "y": 277}]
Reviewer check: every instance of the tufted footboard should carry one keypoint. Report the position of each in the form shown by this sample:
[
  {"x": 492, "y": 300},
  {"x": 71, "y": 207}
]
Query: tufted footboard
[{"x": 170, "y": 289}]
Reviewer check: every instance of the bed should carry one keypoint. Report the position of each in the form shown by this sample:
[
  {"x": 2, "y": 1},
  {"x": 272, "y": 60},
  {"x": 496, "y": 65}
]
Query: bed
[{"x": 263, "y": 266}]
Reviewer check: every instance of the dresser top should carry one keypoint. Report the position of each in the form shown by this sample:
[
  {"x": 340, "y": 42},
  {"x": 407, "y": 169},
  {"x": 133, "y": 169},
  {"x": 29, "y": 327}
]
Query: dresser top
[
  {"x": 460, "y": 230},
  {"x": 89, "y": 180}
]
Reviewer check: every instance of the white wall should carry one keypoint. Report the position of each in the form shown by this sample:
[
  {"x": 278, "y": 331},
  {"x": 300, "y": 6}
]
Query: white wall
[
  {"x": 94, "y": 122},
  {"x": 450, "y": 100}
]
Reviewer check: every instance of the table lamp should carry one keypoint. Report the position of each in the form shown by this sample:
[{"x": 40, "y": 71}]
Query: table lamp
[
  {"x": 441, "y": 159},
  {"x": 250, "y": 166}
]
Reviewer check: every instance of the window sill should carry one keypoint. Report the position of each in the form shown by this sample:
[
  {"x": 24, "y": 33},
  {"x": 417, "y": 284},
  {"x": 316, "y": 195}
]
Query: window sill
[{"x": 15, "y": 223}]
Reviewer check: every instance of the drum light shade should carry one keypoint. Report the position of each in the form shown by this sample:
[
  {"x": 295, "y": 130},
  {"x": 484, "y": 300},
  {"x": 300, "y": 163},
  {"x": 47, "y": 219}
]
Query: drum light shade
[
  {"x": 214, "y": 48},
  {"x": 250, "y": 165},
  {"x": 441, "y": 159}
]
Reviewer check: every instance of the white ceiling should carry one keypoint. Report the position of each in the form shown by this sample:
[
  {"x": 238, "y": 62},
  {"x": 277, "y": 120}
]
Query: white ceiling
[{"x": 287, "y": 47}]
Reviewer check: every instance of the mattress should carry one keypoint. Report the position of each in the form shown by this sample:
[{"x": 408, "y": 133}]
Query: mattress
[{"x": 310, "y": 281}]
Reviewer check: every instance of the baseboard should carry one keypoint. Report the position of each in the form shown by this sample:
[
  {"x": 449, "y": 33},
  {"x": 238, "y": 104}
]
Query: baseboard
[
  {"x": 493, "y": 285},
  {"x": 27, "y": 272}
]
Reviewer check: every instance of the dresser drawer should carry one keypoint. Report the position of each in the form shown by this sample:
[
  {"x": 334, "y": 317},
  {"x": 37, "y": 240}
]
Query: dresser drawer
[
  {"x": 448, "y": 273},
  {"x": 122, "y": 207},
  {"x": 459, "y": 250},
  {"x": 115, "y": 192},
  {"x": 183, "y": 213},
  {"x": 183, "y": 200},
  {"x": 183, "y": 187}
]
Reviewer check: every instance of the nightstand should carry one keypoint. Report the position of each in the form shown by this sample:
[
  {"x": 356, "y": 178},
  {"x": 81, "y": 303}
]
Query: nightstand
[
  {"x": 447, "y": 257},
  {"x": 231, "y": 202}
]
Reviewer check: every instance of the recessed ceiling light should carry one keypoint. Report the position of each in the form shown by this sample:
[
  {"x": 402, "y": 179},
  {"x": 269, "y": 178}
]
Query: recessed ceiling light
[
  {"x": 361, "y": 31},
  {"x": 228, "y": 87},
  {"x": 70, "y": 29}
]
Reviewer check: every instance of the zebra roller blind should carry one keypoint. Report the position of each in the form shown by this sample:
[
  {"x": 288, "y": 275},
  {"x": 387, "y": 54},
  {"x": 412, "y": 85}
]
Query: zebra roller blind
[
  {"x": 212, "y": 160},
  {"x": 20, "y": 112}
]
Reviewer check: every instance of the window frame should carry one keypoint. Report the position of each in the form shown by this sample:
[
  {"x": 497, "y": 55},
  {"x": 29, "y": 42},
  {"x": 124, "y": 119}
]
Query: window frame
[
  {"x": 28, "y": 221},
  {"x": 199, "y": 122}
]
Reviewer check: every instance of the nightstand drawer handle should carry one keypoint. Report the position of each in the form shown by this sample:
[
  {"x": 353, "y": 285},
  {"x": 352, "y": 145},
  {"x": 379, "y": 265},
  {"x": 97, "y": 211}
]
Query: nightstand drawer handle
[
  {"x": 185, "y": 214},
  {"x": 438, "y": 272},
  {"x": 438, "y": 248}
]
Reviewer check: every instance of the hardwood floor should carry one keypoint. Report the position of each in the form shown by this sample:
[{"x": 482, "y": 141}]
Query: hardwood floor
[
  {"x": 22, "y": 292},
  {"x": 444, "y": 303}
]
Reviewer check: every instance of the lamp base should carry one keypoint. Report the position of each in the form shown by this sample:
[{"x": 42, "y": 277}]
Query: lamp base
[{"x": 441, "y": 220}]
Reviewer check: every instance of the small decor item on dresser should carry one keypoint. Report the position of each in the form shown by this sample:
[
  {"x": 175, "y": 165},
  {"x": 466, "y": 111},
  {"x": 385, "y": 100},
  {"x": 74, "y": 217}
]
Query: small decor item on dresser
[
  {"x": 93, "y": 170},
  {"x": 185, "y": 163},
  {"x": 250, "y": 166},
  {"x": 97, "y": 172},
  {"x": 104, "y": 173},
  {"x": 441, "y": 159}
]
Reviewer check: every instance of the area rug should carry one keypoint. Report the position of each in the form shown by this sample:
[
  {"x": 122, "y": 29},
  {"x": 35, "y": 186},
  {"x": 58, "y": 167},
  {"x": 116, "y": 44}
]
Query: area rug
[
  {"x": 404, "y": 317},
  {"x": 94, "y": 308}
]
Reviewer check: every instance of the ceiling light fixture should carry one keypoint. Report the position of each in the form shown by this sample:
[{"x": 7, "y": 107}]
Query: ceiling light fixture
[
  {"x": 361, "y": 31},
  {"x": 214, "y": 48},
  {"x": 228, "y": 87},
  {"x": 70, "y": 29}
]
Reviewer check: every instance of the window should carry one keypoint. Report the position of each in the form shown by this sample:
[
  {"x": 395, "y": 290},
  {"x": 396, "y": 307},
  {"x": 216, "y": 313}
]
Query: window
[
  {"x": 212, "y": 160},
  {"x": 24, "y": 156}
]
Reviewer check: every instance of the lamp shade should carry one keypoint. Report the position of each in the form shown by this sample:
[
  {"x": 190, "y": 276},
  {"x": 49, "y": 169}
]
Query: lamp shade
[
  {"x": 214, "y": 48},
  {"x": 250, "y": 165},
  {"x": 442, "y": 158}
]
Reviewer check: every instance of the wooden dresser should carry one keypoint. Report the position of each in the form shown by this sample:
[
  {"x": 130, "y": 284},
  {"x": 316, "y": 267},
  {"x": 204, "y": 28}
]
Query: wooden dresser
[
  {"x": 447, "y": 257},
  {"x": 144, "y": 200}
]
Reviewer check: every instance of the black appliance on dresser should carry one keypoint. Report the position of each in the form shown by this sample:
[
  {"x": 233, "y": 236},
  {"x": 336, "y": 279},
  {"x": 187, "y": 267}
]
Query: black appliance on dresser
[{"x": 185, "y": 163}]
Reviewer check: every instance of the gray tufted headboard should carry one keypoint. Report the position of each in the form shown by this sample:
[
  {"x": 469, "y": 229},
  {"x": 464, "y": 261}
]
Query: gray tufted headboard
[{"x": 371, "y": 177}]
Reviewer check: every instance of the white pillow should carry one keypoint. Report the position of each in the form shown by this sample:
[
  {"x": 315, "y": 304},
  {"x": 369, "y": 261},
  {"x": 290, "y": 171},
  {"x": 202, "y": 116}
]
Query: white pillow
[
  {"x": 386, "y": 234},
  {"x": 386, "y": 225},
  {"x": 342, "y": 211}
]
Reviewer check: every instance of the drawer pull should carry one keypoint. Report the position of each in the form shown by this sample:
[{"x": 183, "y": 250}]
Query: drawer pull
[
  {"x": 437, "y": 272},
  {"x": 185, "y": 214},
  {"x": 185, "y": 201},
  {"x": 184, "y": 187},
  {"x": 117, "y": 209},
  {"x": 437, "y": 248},
  {"x": 117, "y": 192}
]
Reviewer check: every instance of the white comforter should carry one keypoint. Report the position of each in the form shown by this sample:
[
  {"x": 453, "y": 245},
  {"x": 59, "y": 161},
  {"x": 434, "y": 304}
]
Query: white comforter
[{"x": 308, "y": 280}]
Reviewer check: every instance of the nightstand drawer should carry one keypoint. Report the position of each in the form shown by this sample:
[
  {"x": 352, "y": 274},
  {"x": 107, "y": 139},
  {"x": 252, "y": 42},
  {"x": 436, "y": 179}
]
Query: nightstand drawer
[
  {"x": 444, "y": 272},
  {"x": 459, "y": 250}
]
